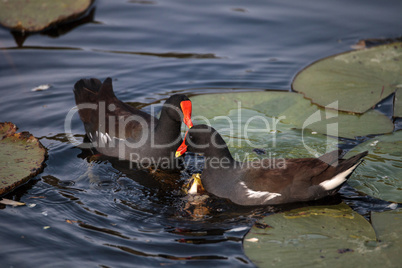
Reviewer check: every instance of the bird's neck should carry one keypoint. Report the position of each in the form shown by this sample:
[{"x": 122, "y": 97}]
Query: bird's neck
[
  {"x": 167, "y": 130},
  {"x": 220, "y": 169},
  {"x": 219, "y": 159}
]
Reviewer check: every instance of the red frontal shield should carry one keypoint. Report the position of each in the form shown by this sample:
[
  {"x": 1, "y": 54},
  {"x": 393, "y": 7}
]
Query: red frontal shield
[{"x": 186, "y": 109}]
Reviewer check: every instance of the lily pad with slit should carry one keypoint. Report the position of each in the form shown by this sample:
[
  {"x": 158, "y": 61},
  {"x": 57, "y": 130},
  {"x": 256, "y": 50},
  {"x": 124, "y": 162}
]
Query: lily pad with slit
[
  {"x": 22, "y": 157},
  {"x": 33, "y": 16},
  {"x": 291, "y": 109},
  {"x": 380, "y": 174},
  {"x": 358, "y": 80},
  {"x": 320, "y": 236}
]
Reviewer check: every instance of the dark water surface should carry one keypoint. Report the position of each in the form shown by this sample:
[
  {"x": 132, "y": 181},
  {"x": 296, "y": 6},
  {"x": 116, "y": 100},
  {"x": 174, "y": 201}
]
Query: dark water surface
[{"x": 83, "y": 213}]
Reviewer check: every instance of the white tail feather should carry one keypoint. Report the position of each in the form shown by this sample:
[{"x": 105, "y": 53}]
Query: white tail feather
[{"x": 338, "y": 179}]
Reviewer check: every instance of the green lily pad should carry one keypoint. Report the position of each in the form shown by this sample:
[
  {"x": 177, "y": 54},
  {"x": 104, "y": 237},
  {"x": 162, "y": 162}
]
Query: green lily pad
[
  {"x": 357, "y": 80},
  {"x": 388, "y": 227},
  {"x": 292, "y": 108},
  {"x": 398, "y": 103},
  {"x": 380, "y": 175},
  {"x": 321, "y": 236},
  {"x": 26, "y": 15},
  {"x": 245, "y": 130},
  {"x": 23, "y": 156}
]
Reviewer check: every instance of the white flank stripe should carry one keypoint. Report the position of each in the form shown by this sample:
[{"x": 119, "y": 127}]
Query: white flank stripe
[
  {"x": 259, "y": 194},
  {"x": 337, "y": 180},
  {"x": 108, "y": 137},
  {"x": 103, "y": 137}
]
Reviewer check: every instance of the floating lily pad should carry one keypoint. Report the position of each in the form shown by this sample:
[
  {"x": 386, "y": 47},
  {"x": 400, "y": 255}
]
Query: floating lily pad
[
  {"x": 398, "y": 103},
  {"x": 357, "y": 80},
  {"x": 26, "y": 15},
  {"x": 292, "y": 108},
  {"x": 246, "y": 130},
  {"x": 22, "y": 155},
  {"x": 388, "y": 227},
  {"x": 321, "y": 236},
  {"x": 380, "y": 175}
]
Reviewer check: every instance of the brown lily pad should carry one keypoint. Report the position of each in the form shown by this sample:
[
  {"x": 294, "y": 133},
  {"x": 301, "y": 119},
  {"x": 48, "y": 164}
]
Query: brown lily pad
[
  {"x": 33, "y": 16},
  {"x": 23, "y": 157}
]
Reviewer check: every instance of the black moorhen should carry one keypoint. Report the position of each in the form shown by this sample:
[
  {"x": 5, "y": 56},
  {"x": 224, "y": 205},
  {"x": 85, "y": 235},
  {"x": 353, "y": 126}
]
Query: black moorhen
[
  {"x": 119, "y": 130},
  {"x": 265, "y": 182}
]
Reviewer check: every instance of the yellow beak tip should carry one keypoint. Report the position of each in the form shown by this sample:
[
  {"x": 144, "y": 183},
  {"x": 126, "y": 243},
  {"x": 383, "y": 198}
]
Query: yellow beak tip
[{"x": 178, "y": 154}]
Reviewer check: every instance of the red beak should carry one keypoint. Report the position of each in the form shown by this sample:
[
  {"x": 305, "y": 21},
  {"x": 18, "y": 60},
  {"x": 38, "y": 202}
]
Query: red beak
[
  {"x": 186, "y": 109},
  {"x": 182, "y": 148}
]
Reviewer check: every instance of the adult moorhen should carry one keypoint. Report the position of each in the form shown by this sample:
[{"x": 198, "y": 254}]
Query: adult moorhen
[
  {"x": 119, "y": 130},
  {"x": 265, "y": 182}
]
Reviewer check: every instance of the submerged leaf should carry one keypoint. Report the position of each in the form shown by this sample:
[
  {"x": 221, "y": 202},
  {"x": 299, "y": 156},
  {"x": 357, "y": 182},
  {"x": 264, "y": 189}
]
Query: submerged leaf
[
  {"x": 357, "y": 80},
  {"x": 11, "y": 202}
]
